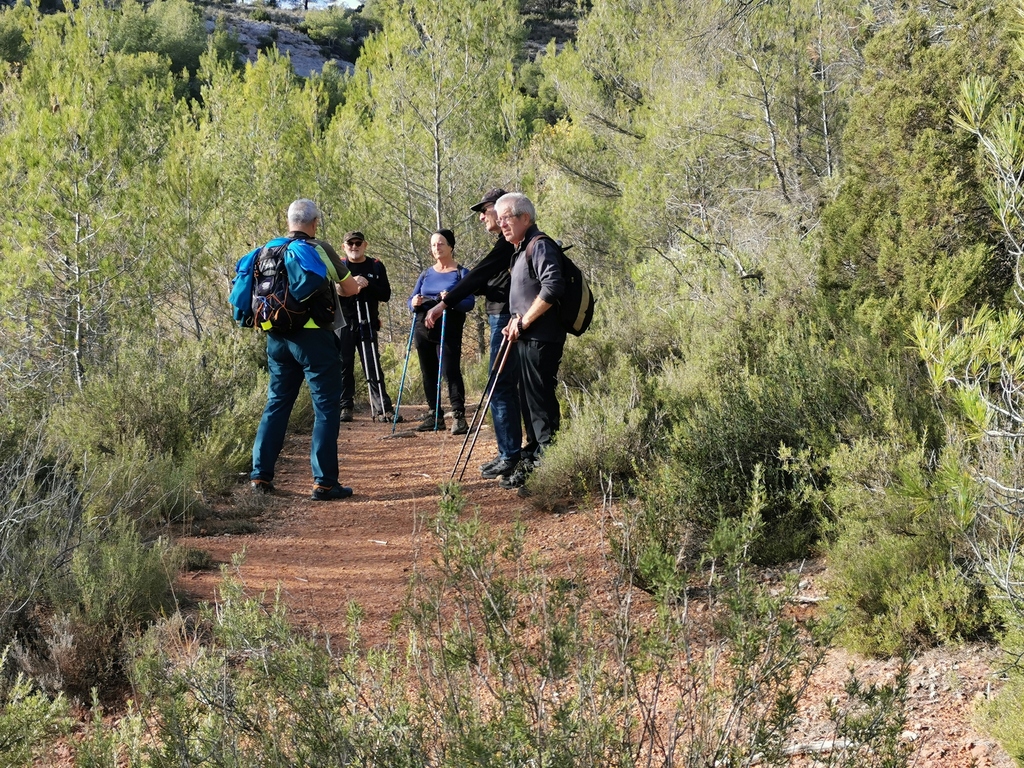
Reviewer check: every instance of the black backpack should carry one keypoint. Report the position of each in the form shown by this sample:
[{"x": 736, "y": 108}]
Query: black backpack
[
  {"x": 275, "y": 307},
  {"x": 575, "y": 309}
]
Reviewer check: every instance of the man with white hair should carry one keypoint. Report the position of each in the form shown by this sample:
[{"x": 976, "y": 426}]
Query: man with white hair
[
  {"x": 537, "y": 284},
  {"x": 311, "y": 354}
]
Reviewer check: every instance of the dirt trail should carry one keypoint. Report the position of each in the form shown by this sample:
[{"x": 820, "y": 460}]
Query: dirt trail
[
  {"x": 325, "y": 555},
  {"x": 328, "y": 554}
]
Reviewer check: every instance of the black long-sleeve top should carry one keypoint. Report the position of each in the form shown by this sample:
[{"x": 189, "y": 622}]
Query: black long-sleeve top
[{"x": 490, "y": 279}]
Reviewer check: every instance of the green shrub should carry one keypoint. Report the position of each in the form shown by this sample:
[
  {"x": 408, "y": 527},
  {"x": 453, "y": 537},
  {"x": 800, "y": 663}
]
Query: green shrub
[
  {"x": 114, "y": 583},
  {"x": 330, "y": 28},
  {"x": 768, "y": 397},
  {"x": 29, "y": 720},
  {"x": 41, "y": 513},
  {"x": 894, "y": 554},
  {"x": 14, "y": 47},
  {"x": 174, "y": 422},
  {"x": 602, "y": 438},
  {"x": 172, "y": 28}
]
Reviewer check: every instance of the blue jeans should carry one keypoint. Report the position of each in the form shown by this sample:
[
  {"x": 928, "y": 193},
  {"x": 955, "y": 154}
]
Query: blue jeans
[
  {"x": 310, "y": 354},
  {"x": 508, "y": 430}
]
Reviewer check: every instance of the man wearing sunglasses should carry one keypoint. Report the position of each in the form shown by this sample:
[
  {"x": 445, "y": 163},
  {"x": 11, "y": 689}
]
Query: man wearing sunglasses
[{"x": 362, "y": 317}]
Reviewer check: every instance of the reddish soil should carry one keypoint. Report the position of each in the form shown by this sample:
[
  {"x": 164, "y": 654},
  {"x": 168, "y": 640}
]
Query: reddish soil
[{"x": 324, "y": 555}]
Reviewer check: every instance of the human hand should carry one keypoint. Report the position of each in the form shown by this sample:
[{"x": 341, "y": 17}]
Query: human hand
[
  {"x": 511, "y": 331},
  {"x": 434, "y": 314}
]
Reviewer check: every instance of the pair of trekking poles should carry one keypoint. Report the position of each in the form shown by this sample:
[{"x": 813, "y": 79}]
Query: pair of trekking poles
[
  {"x": 497, "y": 367},
  {"x": 371, "y": 356},
  {"x": 440, "y": 368}
]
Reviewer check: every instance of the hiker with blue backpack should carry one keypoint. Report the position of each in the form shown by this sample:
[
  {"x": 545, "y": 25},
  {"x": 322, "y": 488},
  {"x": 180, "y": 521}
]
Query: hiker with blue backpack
[
  {"x": 288, "y": 289},
  {"x": 538, "y": 283},
  {"x": 439, "y": 349}
]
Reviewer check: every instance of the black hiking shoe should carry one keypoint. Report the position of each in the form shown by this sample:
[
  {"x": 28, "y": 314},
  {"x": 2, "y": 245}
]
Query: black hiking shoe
[
  {"x": 261, "y": 487},
  {"x": 488, "y": 464},
  {"x": 346, "y": 414},
  {"x": 517, "y": 478},
  {"x": 498, "y": 468},
  {"x": 390, "y": 418},
  {"x": 459, "y": 427},
  {"x": 431, "y": 423},
  {"x": 330, "y": 492}
]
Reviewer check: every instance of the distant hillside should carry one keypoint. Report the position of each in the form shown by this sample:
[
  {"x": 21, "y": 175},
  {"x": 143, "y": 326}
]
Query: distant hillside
[{"x": 259, "y": 26}]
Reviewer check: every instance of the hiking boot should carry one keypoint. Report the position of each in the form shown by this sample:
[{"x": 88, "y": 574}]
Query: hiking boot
[
  {"x": 427, "y": 423},
  {"x": 516, "y": 478},
  {"x": 488, "y": 464},
  {"x": 346, "y": 414},
  {"x": 459, "y": 427},
  {"x": 390, "y": 418},
  {"x": 330, "y": 492},
  {"x": 498, "y": 468},
  {"x": 262, "y": 487}
]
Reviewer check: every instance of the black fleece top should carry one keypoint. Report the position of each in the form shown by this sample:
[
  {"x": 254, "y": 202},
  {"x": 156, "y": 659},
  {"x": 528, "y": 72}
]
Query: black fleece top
[
  {"x": 490, "y": 279},
  {"x": 538, "y": 273}
]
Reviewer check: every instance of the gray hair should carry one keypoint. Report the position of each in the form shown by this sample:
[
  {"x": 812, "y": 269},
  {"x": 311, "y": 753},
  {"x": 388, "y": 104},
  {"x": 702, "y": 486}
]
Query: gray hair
[
  {"x": 303, "y": 212},
  {"x": 517, "y": 204}
]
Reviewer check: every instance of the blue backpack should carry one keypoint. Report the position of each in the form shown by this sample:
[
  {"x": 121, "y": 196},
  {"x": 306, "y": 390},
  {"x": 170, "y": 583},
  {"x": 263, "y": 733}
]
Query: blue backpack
[{"x": 281, "y": 287}]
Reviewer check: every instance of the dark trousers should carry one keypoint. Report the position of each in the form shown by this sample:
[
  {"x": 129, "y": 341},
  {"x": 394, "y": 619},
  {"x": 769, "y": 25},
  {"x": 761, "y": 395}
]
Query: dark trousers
[
  {"x": 310, "y": 354},
  {"x": 363, "y": 338},
  {"x": 538, "y": 389},
  {"x": 428, "y": 345}
]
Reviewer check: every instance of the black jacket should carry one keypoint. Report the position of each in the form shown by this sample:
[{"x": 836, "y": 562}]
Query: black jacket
[
  {"x": 489, "y": 278},
  {"x": 537, "y": 272}
]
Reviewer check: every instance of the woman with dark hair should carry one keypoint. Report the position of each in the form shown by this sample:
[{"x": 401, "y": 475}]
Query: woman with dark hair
[{"x": 433, "y": 284}]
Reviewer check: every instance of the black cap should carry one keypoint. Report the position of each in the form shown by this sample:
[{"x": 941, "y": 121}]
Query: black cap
[
  {"x": 490, "y": 197},
  {"x": 357, "y": 235}
]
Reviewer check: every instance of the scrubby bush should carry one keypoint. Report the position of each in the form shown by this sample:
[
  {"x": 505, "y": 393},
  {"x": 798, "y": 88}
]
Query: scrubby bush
[
  {"x": 606, "y": 435},
  {"x": 73, "y": 638},
  {"x": 29, "y": 720},
  {"x": 767, "y": 396},
  {"x": 14, "y": 22},
  {"x": 330, "y": 28},
  {"x": 898, "y": 568},
  {"x": 169, "y": 27},
  {"x": 506, "y": 661},
  {"x": 174, "y": 421}
]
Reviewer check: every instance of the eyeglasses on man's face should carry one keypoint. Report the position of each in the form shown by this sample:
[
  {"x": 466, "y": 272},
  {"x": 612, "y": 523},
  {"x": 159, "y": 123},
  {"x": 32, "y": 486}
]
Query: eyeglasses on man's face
[
  {"x": 354, "y": 243},
  {"x": 508, "y": 217}
]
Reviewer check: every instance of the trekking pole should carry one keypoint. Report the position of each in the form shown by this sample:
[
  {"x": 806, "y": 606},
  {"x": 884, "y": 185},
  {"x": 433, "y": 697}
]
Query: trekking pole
[
  {"x": 480, "y": 412},
  {"x": 405, "y": 368},
  {"x": 363, "y": 328},
  {"x": 440, "y": 368},
  {"x": 486, "y": 405},
  {"x": 375, "y": 357}
]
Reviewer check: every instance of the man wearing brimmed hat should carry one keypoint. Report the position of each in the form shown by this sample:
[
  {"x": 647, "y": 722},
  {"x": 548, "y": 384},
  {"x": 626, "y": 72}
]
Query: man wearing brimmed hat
[
  {"x": 363, "y": 306},
  {"x": 490, "y": 279}
]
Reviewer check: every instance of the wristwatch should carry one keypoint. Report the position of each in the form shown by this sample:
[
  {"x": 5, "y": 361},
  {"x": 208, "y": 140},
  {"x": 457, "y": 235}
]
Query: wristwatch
[{"x": 519, "y": 323}]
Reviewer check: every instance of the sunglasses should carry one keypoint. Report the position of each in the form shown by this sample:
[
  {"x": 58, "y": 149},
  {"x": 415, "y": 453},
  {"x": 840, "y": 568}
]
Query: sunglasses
[{"x": 354, "y": 243}]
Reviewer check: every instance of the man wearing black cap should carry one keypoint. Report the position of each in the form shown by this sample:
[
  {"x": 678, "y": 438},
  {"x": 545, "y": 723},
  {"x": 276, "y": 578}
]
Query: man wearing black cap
[
  {"x": 362, "y": 317},
  {"x": 490, "y": 279}
]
